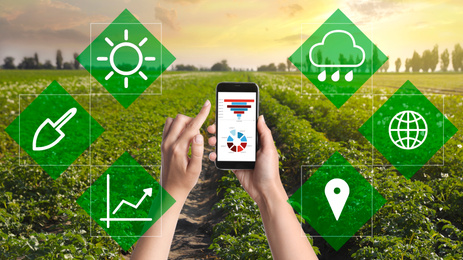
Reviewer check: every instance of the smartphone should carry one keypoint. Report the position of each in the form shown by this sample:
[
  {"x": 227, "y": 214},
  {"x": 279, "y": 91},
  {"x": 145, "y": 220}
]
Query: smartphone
[{"x": 237, "y": 110}]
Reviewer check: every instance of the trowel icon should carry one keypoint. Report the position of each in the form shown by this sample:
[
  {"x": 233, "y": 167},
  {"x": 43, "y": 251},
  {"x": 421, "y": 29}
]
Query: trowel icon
[{"x": 56, "y": 126}]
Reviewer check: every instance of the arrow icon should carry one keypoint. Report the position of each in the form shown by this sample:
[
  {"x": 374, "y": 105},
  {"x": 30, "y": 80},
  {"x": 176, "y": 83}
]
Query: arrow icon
[
  {"x": 148, "y": 192},
  {"x": 108, "y": 219},
  {"x": 57, "y": 126}
]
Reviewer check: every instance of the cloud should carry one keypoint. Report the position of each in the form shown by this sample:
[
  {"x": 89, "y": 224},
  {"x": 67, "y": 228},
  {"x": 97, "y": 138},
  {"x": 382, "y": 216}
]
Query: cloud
[
  {"x": 11, "y": 8},
  {"x": 42, "y": 26},
  {"x": 167, "y": 17},
  {"x": 49, "y": 14},
  {"x": 231, "y": 16},
  {"x": 334, "y": 45},
  {"x": 60, "y": 5},
  {"x": 17, "y": 34},
  {"x": 294, "y": 38},
  {"x": 183, "y": 1},
  {"x": 292, "y": 9},
  {"x": 3, "y": 23},
  {"x": 377, "y": 9}
]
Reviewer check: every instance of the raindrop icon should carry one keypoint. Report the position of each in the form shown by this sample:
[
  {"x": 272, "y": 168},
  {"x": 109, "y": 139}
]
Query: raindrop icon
[
  {"x": 322, "y": 76},
  {"x": 335, "y": 76},
  {"x": 349, "y": 76}
]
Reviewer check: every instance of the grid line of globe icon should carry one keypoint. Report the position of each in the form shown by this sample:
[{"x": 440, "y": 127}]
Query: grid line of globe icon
[{"x": 408, "y": 130}]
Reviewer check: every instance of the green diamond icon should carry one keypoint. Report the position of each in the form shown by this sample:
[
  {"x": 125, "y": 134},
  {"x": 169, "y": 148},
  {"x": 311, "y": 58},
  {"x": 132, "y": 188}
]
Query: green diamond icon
[
  {"x": 126, "y": 58},
  {"x": 126, "y": 201},
  {"x": 408, "y": 129},
  {"x": 54, "y": 130},
  {"x": 336, "y": 201},
  {"x": 338, "y": 58}
]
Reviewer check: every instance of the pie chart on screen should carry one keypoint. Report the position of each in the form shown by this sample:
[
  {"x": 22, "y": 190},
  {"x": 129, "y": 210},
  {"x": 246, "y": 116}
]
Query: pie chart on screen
[{"x": 236, "y": 141}]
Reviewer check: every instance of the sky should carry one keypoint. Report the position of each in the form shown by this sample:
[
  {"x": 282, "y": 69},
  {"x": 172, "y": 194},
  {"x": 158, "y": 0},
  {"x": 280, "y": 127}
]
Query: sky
[{"x": 247, "y": 33}]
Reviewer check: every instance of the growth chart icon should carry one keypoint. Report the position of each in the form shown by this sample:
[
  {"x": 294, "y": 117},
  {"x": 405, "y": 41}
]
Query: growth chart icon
[
  {"x": 108, "y": 219},
  {"x": 125, "y": 201},
  {"x": 408, "y": 130}
]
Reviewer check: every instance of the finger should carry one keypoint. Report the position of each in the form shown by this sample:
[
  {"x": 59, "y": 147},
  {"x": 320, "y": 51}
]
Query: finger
[
  {"x": 179, "y": 123},
  {"x": 242, "y": 174},
  {"x": 265, "y": 135},
  {"x": 193, "y": 127},
  {"x": 212, "y": 156},
  {"x": 167, "y": 127},
  {"x": 212, "y": 141},
  {"x": 211, "y": 129},
  {"x": 197, "y": 151},
  {"x": 239, "y": 173}
]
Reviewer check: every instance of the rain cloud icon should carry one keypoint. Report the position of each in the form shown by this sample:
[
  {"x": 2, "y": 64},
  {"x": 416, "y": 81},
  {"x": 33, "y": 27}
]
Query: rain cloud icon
[{"x": 332, "y": 48}]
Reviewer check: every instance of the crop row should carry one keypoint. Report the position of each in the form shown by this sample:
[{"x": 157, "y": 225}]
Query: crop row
[
  {"x": 39, "y": 216},
  {"x": 422, "y": 215}
]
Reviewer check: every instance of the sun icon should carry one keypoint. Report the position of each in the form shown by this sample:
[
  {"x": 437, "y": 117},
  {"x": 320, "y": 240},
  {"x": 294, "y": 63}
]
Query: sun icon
[{"x": 133, "y": 46}]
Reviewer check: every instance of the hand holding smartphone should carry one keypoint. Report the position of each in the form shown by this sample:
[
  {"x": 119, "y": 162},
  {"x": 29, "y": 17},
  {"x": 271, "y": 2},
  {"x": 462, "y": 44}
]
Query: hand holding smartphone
[{"x": 237, "y": 110}]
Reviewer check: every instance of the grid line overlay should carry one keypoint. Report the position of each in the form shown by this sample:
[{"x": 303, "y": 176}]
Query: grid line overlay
[
  {"x": 372, "y": 165},
  {"x": 89, "y": 149}
]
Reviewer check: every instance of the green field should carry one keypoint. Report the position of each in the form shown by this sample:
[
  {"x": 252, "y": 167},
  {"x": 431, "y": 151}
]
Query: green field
[{"x": 423, "y": 218}]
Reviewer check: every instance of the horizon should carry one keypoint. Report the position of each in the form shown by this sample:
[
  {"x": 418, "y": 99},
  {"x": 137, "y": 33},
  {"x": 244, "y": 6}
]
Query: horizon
[{"x": 247, "y": 34}]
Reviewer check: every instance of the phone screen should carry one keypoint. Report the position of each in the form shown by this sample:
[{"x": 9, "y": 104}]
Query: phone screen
[{"x": 236, "y": 126}]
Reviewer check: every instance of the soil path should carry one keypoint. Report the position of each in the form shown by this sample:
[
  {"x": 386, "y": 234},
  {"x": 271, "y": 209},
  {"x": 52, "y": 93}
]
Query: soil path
[{"x": 194, "y": 228}]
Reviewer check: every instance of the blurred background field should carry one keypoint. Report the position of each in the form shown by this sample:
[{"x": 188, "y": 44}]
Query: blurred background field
[{"x": 39, "y": 217}]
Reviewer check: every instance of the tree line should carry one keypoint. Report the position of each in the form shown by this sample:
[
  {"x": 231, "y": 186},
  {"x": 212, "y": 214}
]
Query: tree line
[
  {"x": 219, "y": 66},
  {"x": 280, "y": 67},
  {"x": 429, "y": 59},
  {"x": 223, "y": 66},
  {"x": 426, "y": 62},
  {"x": 34, "y": 63}
]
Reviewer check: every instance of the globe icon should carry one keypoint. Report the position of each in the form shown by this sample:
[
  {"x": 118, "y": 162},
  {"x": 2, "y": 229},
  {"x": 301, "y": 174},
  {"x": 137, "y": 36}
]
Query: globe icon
[{"x": 408, "y": 130}]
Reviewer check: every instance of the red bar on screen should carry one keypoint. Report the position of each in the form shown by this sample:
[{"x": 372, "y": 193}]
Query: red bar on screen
[
  {"x": 238, "y": 106},
  {"x": 238, "y": 100}
]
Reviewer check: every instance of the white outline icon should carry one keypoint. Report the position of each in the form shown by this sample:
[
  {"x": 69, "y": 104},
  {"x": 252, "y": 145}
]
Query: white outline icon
[
  {"x": 337, "y": 201},
  {"x": 148, "y": 192},
  {"x": 108, "y": 219},
  {"x": 400, "y": 140},
  {"x": 140, "y": 58},
  {"x": 57, "y": 126},
  {"x": 335, "y": 77}
]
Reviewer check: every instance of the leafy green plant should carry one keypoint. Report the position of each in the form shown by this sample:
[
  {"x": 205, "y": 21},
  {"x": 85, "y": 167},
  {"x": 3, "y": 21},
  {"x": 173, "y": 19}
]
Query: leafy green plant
[{"x": 39, "y": 218}]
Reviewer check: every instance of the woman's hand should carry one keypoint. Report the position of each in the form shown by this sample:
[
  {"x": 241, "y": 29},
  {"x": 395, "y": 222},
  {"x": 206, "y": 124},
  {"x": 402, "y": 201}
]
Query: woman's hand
[
  {"x": 264, "y": 186},
  {"x": 265, "y": 177},
  {"x": 180, "y": 173}
]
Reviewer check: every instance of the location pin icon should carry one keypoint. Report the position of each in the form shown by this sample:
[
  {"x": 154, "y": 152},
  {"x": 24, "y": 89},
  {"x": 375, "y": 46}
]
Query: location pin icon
[{"x": 337, "y": 192}]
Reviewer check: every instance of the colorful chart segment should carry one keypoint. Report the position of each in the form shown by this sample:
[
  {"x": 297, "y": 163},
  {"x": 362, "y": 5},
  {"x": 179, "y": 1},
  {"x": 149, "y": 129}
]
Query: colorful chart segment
[
  {"x": 239, "y": 106},
  {"x": 236, "y": 141}
]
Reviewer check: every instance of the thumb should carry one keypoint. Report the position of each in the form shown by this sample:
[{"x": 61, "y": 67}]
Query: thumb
[
  {"x": 265, "y": 135},
  {"x": 197, "y": 151}
]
